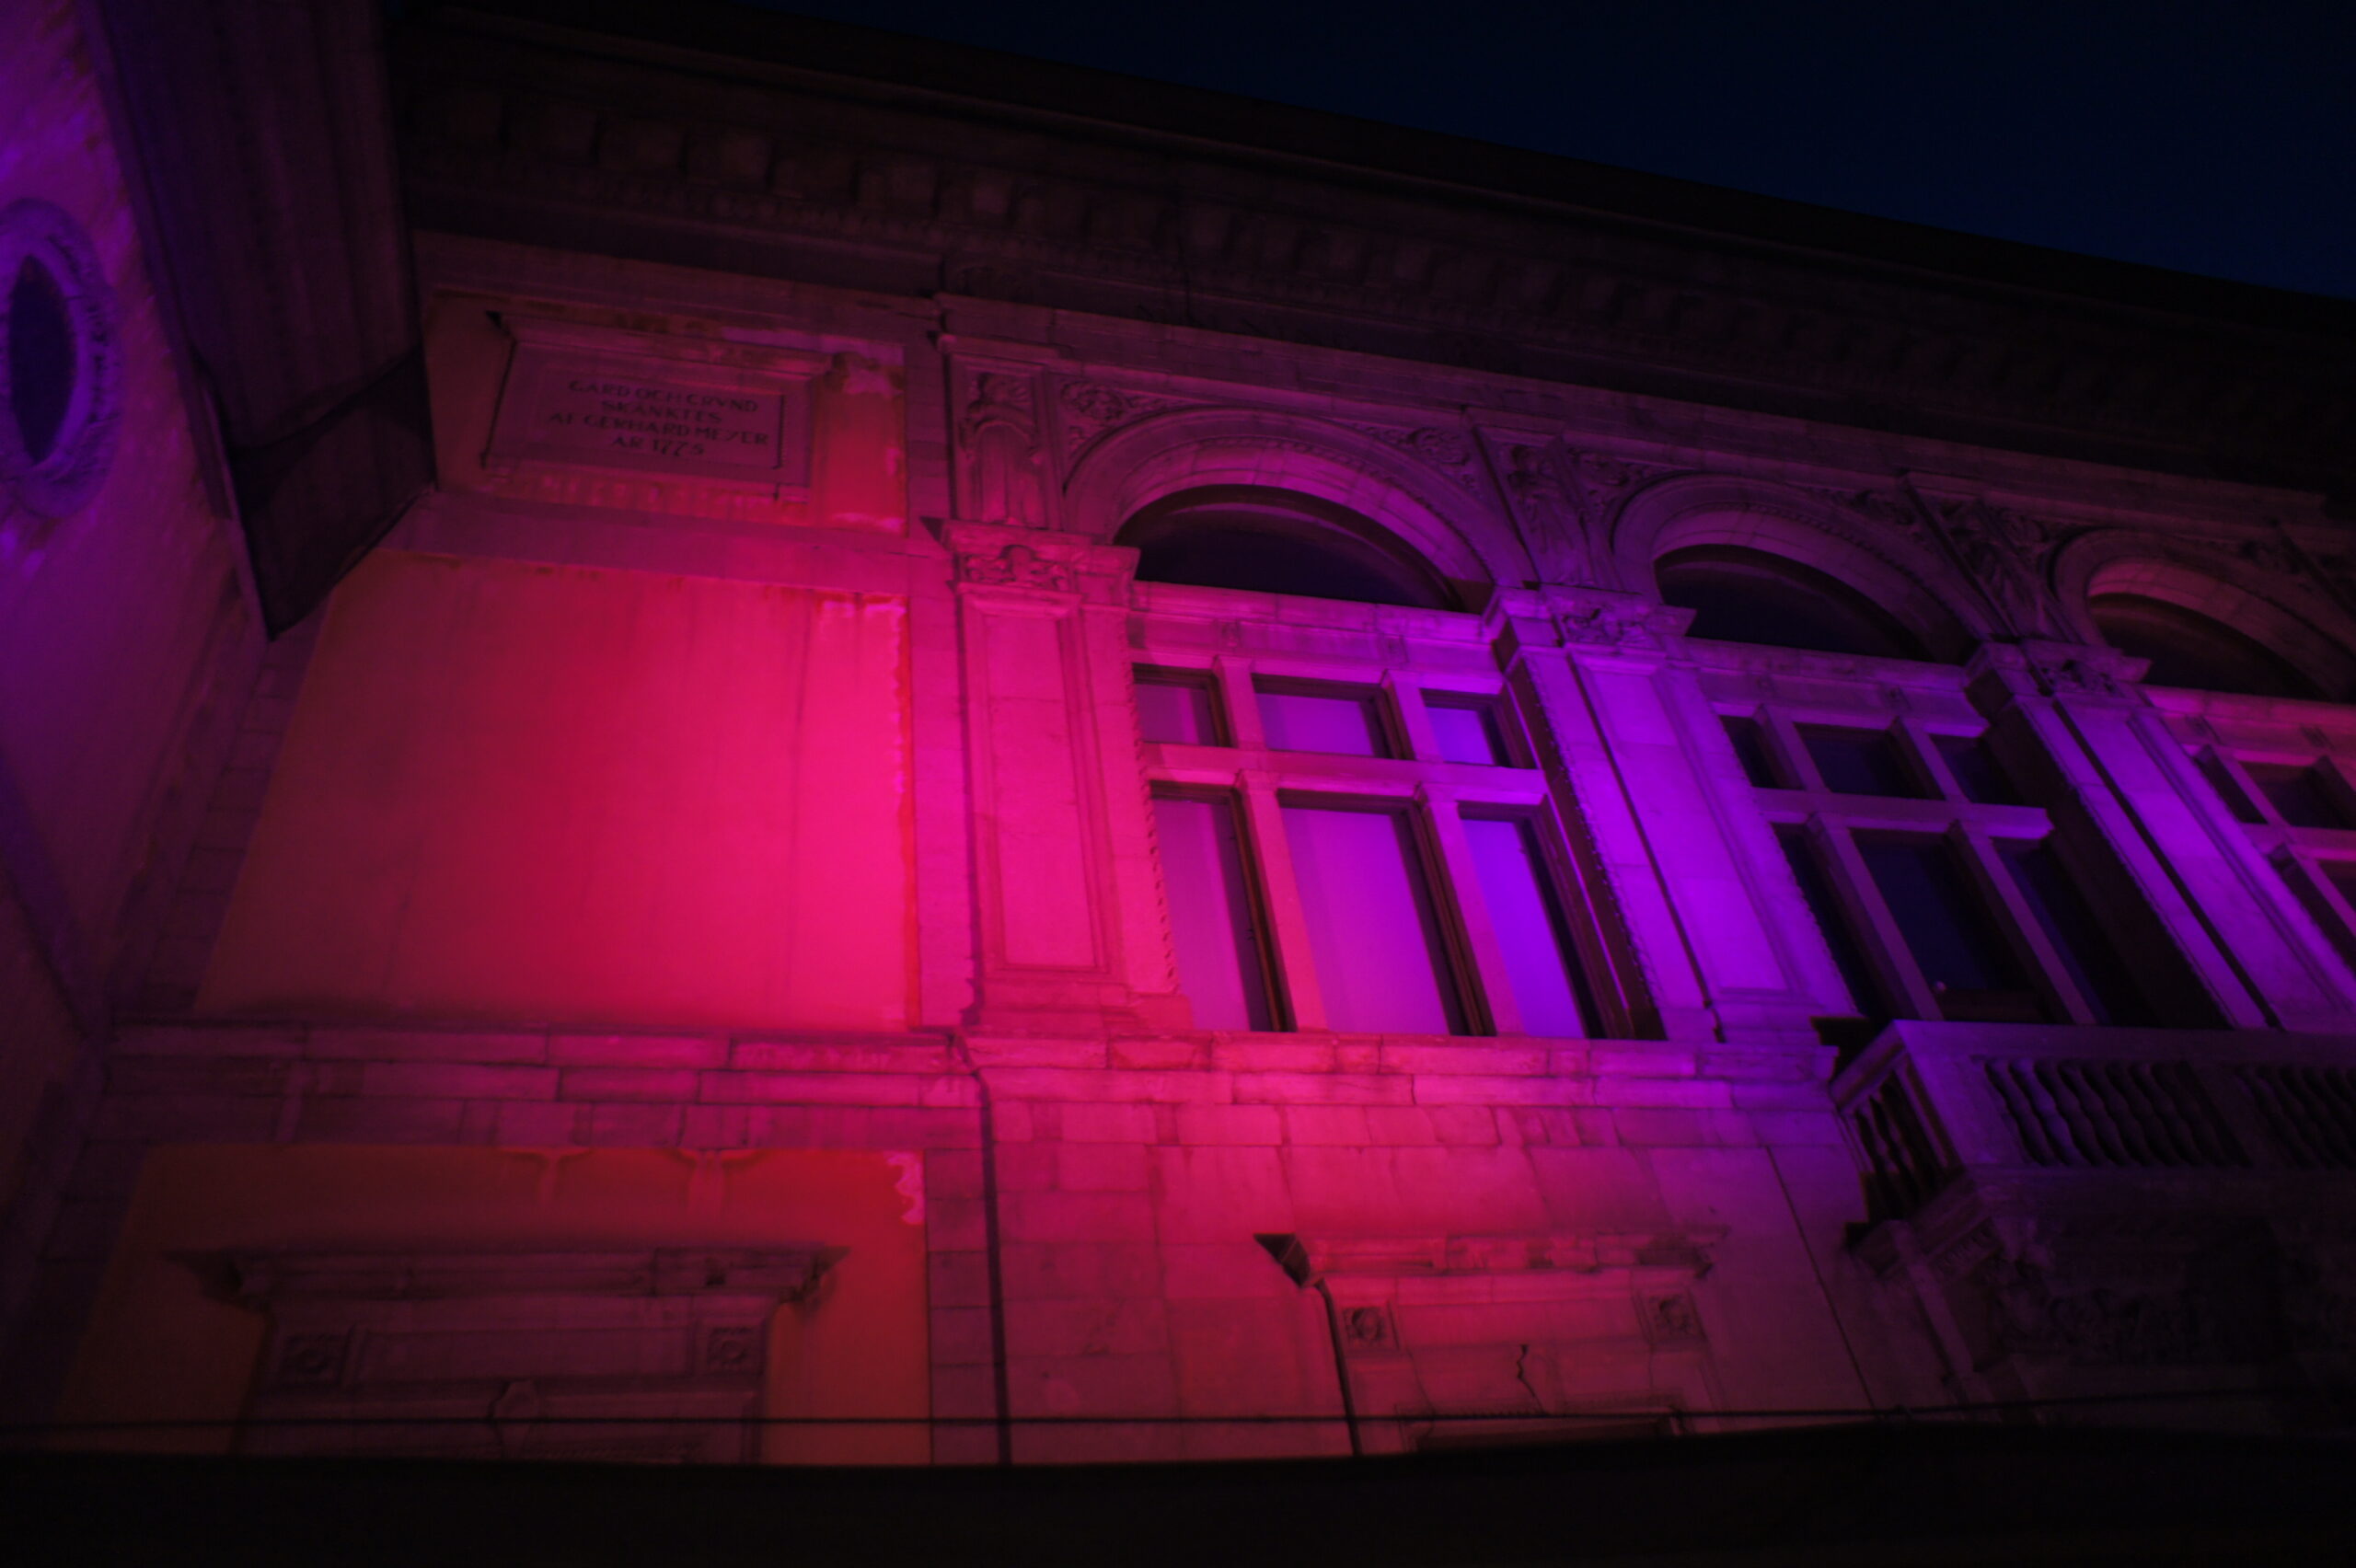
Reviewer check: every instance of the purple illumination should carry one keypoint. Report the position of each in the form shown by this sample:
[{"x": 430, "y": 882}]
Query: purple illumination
[
  {"x": 1210, "y": 913},
  {"x": 1513, "y": 879},
  {"x": 1177, "y": 712},
  {"x": 1343, "y": 724},
  {"x": 1466, "y": 733},
  {"x": 1370, "y": 921}
]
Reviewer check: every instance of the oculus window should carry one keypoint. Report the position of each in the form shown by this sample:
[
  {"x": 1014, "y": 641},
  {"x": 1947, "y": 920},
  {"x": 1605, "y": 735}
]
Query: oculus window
[{"x": 59, "y": 371}]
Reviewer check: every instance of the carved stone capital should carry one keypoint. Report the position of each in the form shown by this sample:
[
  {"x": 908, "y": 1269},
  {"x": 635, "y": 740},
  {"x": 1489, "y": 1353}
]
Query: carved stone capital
[
  {"x": 1038, "y": 561},
  {"x": 2035, "y": 667},
  {"x": 1594, "y": 617}
]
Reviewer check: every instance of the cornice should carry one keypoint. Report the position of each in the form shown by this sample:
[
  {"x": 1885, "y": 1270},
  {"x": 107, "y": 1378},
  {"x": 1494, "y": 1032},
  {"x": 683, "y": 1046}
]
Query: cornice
[{"x": 530, "y": 138}]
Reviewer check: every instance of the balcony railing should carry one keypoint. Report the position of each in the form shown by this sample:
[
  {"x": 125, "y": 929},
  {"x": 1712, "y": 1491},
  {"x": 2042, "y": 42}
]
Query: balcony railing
[{"x": 1927, "y": 1101}]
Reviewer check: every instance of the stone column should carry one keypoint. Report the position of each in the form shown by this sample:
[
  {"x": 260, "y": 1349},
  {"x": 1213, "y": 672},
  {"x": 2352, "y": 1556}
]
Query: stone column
[
  {"x": 2121, "y": 778},
  {"x": 1699, "y": 897},
  {"x": 1072, "y": 937}
]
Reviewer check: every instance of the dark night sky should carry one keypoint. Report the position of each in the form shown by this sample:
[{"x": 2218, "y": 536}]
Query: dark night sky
[{"x": 2215, "y": 138}]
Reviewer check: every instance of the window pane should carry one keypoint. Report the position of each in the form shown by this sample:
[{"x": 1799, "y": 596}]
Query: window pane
[
  {"x": 1858, "y": 762},
  {"x": 1176, "y": 710},
  {"x": 1546, "y": 981},
  {"x": 2086, "y": 947},
  {"x": 1848, "y": 954},
  {"x": 1210, "y": 913},
  {"x": 2303, "y": 799},
  {"x": 1372, "y": 929},
  {"x": 1949, "y": 931},
  {"x": 1467, "y": 731},
  {"x": 1976, "y": 771},
  {"x": 1750, "y": 745},
  {"x": 1341, "y": 723}
]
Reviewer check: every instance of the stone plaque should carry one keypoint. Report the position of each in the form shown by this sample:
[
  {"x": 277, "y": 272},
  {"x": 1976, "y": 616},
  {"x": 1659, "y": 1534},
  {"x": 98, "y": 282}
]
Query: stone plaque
[{"x": 701, "y": 408}]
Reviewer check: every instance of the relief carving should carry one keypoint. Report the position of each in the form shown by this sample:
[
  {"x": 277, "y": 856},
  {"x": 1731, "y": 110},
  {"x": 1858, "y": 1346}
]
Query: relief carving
[
  {"x": 1090, "y": 408},
  {"x": 1620, "y": 621},
  {"x": 1546, "y": 513},
  {"x": 1016, "y": 566},
  {"x": 1447, "y": 451},
  {"x": 1368, "y": 1328},
  {"x": 1004, "y": 465},
  {"x": 2071, "y": 670},
  {"x": 1563, "y": 500},
  {"x": 1671, "y": 1320},
  {"x": 2004, "y": 551},
  {"x": 2133, "y": 1296}
]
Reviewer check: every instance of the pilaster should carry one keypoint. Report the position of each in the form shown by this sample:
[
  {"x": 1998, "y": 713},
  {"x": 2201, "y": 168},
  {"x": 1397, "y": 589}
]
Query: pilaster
[
  {"x": 1070, "y": 923},
  {"x": 1632, "y": 744},
  {"x": 2123, "y": 779}
]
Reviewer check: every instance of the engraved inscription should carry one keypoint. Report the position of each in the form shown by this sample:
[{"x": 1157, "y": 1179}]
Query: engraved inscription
[
  {"x": 569, "y": 402},
  {"x": 605, "y": 414}
]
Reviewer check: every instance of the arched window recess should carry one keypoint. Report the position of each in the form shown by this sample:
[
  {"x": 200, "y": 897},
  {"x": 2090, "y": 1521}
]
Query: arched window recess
[
  {"x": 1740, "y": 595},
  {"x": 2188, "y": 649},
  {"x": 1273, "y": 541}
]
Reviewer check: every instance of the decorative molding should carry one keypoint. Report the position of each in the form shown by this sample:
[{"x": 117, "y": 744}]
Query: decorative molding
[
  {"x": 269, "y": 1276},
  {"x": 1685, "y": 1252},
  {"x": 466, "y": 1351},
  {"x": 1091, "y": 409},
  {"x": 1505, "y": 295},
  {"x": 1016, "y": 566},
  {"x": 1625, "y": 622},
  {"x": 53, "y": 461},
  {"x": 1002, "y": 463},
  {"x": 704, "y": 409},
  {"x": 1447, "y": 452},
  {"x": 2065, "y": 669}
]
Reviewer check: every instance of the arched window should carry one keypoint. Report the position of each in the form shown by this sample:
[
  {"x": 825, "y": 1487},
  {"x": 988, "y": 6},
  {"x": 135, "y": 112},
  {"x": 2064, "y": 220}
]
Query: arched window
[
  {"x": 1273, "y": 541},
  {"x": 1744, "y": 595},
  {"x": 2188, "y": 649}
]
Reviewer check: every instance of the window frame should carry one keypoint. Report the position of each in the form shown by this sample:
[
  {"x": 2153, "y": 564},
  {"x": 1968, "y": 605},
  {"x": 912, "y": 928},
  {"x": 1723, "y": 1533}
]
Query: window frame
[
  {"x": 1829, "y": 822},
  {"x": 2224, "y": 751},
  {"x": 1436, "y": 652}
]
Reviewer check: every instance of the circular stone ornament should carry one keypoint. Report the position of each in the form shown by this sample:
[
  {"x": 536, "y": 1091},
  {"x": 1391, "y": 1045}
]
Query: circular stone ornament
[{"x": 60, "y": 374}]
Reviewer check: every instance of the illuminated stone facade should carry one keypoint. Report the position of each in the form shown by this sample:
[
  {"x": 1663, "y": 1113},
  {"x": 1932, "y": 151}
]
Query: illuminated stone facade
[{"x": 782, "y": 888}]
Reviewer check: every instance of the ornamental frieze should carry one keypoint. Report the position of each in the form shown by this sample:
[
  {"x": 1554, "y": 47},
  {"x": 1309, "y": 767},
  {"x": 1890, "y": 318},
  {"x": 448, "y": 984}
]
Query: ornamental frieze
[
  {"x": 1091, "y": 409},
  {"x": 1502, "y": 297}
]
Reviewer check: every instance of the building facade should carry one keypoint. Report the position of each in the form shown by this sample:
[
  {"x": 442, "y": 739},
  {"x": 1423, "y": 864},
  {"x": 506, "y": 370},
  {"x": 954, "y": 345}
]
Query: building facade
[{"x": 1059, "y": 770}]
